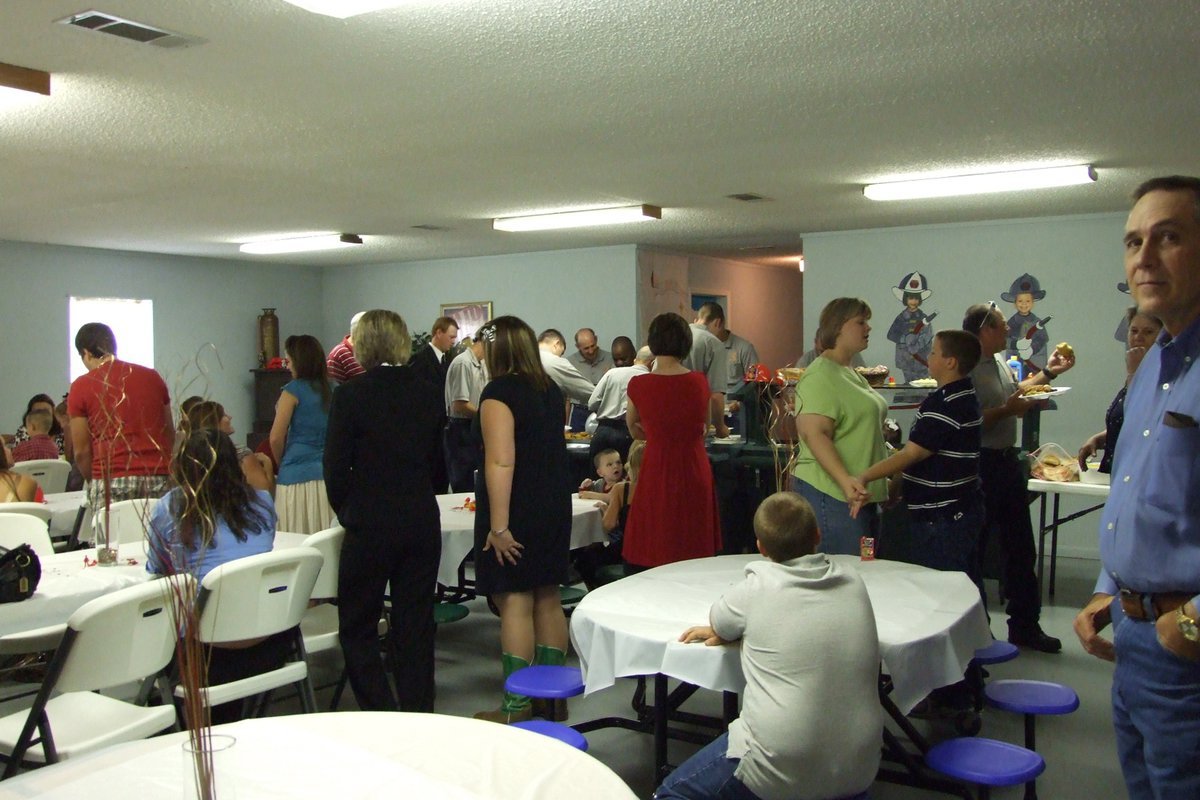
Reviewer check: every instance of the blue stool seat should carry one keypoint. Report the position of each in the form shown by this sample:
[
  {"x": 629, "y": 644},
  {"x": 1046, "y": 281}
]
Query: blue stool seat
[
  {"x": 546, "y": 682},
  {"x": 554, "y": 730},
  {"x": 986, "y": 762},
  {"x": 997, "y": 652},
  {"x": 1032, "y": 697}
]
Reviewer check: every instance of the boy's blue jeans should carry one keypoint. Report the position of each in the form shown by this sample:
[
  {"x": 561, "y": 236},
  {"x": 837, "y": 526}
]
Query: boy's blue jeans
[{"x": 707, "y": 775}]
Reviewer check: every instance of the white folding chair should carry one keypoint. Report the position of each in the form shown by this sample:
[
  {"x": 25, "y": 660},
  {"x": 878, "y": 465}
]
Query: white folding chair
[
  {"x": 39, "y": 510},
  {"x": 18, "y": 529},
  {"x": 320, "y": 623},
  {"x": 129, "y": 520},
  {"x": 255, "y": 597},
  {"x": 124, "y": 636},
  {"x": 50, "y": 473}
]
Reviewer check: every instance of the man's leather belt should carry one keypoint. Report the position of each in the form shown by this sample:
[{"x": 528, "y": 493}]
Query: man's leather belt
[{"x": 1150, "y": 607}]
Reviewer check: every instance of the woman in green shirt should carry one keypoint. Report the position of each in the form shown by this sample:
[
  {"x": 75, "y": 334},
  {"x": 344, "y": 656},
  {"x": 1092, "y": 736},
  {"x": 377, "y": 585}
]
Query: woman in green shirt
[{"x": 840, "y": 421}]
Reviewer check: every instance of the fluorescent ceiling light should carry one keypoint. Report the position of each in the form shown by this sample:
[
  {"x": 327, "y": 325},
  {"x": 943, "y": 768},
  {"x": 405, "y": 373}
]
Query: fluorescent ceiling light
[
  {"x": 578, "y": 219},
  {"x": 987, "y": 183},
  {"x": 302, "y": 244},
  {"x": 21, "y": 79},
  {"x": 345, "y": 8}
]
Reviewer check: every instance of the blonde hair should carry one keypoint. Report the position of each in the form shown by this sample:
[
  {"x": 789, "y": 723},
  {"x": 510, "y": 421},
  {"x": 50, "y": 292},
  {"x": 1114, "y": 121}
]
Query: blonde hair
[
  {"x": 381, "y": 336},
  {"x": 786, "y": 527}
]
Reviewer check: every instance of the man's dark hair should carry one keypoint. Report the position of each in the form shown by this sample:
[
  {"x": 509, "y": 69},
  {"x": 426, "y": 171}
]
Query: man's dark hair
[
  {"x": 1171, "y": 183},
  {"x": 552, "y": 336},
  {"x": 97, "y": 339},
  {"x": 961, "y": 346}
]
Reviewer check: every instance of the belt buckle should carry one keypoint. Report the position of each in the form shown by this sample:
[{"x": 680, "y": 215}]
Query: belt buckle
[{"x": 1144, "y": 602}]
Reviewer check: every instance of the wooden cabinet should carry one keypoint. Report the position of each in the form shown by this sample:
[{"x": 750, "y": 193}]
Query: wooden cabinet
[{"x": 268, "y": 383}]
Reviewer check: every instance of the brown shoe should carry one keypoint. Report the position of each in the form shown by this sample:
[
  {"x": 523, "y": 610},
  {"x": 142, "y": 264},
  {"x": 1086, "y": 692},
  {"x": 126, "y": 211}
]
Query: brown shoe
[
  {"x": 506, "y": 717},
  {"x": 554, "y": 710}
]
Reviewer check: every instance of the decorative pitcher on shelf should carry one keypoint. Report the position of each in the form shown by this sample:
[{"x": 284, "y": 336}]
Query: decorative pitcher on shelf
[{"x": 268, "y": 336}]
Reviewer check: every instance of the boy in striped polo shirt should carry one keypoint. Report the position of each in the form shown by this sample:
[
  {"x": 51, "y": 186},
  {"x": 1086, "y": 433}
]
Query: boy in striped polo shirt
[{"x": 939, "y": 465}]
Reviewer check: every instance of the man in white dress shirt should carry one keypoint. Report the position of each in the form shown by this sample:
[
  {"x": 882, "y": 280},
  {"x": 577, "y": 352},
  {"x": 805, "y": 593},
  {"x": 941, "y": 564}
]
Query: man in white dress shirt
[
  {"x": 465, "y": 380},
  {"x": 609, "y": 400}
]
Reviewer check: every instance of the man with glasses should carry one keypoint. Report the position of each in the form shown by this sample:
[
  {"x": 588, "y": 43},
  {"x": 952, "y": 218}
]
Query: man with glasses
[{"x": 1001, "y": 475}]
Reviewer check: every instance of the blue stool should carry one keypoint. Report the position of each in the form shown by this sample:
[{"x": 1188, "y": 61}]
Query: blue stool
[
  {"x": 985, "y": 762},
  {"x": 997, "y": 652},
  {"x": 554, "y": 730},
  {"x": 1031, "y": 698},
  {"x": 547, "y": 682},
  {"x": 550, "y": 686}
]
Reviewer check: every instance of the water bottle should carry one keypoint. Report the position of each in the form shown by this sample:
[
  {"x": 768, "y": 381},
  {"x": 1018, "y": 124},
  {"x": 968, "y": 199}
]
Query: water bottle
[{"x": 1014, "y": 364}]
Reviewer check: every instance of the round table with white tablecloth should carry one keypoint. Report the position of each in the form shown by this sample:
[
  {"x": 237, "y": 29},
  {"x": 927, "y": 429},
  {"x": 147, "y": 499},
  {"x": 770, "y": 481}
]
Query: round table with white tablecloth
[
  {"x": 347, "y": 755},
  {"x": 930, "y": 623}
]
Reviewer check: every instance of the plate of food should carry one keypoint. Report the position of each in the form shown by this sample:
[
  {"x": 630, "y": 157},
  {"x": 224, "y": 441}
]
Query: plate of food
[
  {"x": 1045, "y": 390},
  {"x": 923, "y": 383}
]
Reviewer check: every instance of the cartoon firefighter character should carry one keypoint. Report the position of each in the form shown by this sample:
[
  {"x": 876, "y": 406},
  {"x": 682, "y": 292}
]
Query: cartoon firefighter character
[
  {"x": 1027, "y": 337},
  {"x": 911, "y": 330}
]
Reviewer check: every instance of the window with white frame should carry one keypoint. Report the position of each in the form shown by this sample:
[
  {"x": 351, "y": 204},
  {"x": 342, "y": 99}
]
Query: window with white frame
[{"x": 131, "y": 320}]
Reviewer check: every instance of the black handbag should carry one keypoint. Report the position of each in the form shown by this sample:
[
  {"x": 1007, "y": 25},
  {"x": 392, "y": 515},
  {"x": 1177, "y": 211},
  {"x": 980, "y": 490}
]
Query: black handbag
[{"x": 20, "y": 571}]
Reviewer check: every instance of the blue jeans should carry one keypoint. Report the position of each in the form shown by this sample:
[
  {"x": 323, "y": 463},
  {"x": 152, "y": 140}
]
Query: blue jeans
[
  {"x": 1156, "y": 714},
  {"x": 950, "y": 544},
  {"x": 707, "y": 775},
  {"x": 840, "y": 533}
]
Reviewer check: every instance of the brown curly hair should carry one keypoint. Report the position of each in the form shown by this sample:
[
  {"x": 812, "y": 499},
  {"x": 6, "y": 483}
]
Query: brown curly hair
[{"x": 211, "y": 486}]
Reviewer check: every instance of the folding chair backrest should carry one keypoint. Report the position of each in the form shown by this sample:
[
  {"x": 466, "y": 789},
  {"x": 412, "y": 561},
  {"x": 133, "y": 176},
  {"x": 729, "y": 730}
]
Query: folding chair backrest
[
  {"x": 39, "y": 510},
  {"x": 18, "y": 529},
  {"x": 257, "y": 595},
  {"x": 50, "y": 473},
  {"x": 128, "y": 519},
  {"x": 123, "y": 636},
  {"x": 329, "y": 544}
]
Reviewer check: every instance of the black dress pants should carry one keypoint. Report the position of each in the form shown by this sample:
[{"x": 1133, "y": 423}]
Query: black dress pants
[
  {"x": 407, "y": 557},
  {"x": 1006, "y": 508}
]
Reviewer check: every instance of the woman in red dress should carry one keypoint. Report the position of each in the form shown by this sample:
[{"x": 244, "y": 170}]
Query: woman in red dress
[{"x": 674, "y": 516}]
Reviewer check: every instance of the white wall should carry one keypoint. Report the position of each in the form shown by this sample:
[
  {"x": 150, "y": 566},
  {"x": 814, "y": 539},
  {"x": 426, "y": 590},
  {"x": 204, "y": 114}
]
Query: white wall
[
  {"x": 564, "y": 289},
  {"x": 196, "y": 301},
  {"x": 1077, "y": 259}
]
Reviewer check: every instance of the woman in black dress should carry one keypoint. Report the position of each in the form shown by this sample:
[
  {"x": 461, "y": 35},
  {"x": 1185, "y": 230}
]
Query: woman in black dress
[
  {"x": 523, "y": 517},
  {"x": 379, "y": 458}
]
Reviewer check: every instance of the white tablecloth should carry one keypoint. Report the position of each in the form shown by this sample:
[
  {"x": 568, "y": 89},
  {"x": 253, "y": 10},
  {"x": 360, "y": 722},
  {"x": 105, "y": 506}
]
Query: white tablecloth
[
  {"x": 930, "y": 624},
  {"x": 458, "y": 531},
  {"x": 64, "y": 507},
  {"x": 1078, "y": 488},
  {"x": 67, "y": 584},
  {"x": 343, "y": 755}
]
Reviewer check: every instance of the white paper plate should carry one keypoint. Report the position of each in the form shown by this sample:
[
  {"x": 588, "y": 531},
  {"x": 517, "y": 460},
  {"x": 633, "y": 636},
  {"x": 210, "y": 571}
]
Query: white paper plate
[{"x": 1054, "y": 392}]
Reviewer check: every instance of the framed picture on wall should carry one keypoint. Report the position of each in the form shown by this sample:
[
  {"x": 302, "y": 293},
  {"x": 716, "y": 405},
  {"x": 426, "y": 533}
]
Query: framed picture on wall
[
  {"x": 469, "y": 316},
  {"x": 700, "y": 298}
]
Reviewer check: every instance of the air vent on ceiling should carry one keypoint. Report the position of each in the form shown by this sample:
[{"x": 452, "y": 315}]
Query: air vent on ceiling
[
  {"x": 430, "y": 227},
  {"x": 101, "y": 22},
  {"x": 747, "y": 197},
  {"x": 758, "y": 248}
]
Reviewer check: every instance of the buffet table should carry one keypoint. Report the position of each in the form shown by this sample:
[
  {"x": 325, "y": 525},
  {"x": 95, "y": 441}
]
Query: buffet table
[
  {"x": 1057, "y": 489},
  {"x": 350, "y": 755}
]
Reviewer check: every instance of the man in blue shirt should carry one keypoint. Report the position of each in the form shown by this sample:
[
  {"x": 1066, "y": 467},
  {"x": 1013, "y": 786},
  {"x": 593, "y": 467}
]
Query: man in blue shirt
[{"x": 1150, "y": 530}]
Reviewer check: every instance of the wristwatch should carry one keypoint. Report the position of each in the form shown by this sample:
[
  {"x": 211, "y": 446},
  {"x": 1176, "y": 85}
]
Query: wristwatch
[{"x": 1187, "y": 626}]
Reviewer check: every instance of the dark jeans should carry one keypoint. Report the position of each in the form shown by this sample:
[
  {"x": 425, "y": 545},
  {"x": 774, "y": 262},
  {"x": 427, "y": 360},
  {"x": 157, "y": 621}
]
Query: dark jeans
[
  {"x": 1006, "y": 510},
  {"x": 463, "y": 455},
  {"x": 227, "y": 664},
  {"x": 949, "y": 542},
  {"x": 407, "y": 557},
  {"x": 610, "y": 435}
]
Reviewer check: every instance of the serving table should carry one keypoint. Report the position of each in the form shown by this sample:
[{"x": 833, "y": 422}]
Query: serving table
[
  {"x": 1057, "y": 489},
  {"x": 347, "y": 755}
]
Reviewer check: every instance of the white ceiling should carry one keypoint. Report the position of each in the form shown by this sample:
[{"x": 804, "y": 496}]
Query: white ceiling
[{"x": 451, "y": 112}]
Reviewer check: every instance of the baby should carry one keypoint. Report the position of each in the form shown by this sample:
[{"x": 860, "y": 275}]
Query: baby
[{"x": 609, "y": 468}]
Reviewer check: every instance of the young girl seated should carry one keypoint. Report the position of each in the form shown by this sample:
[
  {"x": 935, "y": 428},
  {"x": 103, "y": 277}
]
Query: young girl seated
[{"x": 257, "y": 468}]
